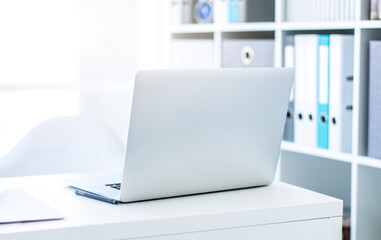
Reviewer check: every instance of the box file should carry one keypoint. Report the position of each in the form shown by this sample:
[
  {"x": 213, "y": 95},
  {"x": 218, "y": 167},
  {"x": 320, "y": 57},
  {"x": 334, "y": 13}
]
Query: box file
[
  {"x": 176, "y": 10},
  {"x": 233, "y": 11},
  {"x": 187, "y": 11},
  {"x": 288, "y": 134},
  {"x": 247, "y": 53},
  {"x": 341, "y": 92},
  {"x": 323, "y": 90},
  {"x": 320, "y": 10},
  {"x": 373, "y": 9},
  {"x": 374, "y": 115},
  {"x": 306, "y": 55},
  {"x": 222, "y": 15},
  {"x": 192, "y": 53}
]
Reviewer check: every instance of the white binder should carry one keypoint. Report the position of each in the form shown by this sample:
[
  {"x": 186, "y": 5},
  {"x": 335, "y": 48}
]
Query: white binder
[
  {"x": 352, "y": 10},
  {"x": 341, "y": 92},
  {"x": 222, "y": 15},
  {"x": 187, "y": 10},
  {"x": 176, "y": 10},
  {"x": 192, "y": 53},
  {"x": 306, "y": 57}
]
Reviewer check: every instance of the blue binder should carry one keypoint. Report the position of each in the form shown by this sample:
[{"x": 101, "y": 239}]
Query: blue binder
[
  {"x": 233, "y": 11},
  {"x": 323, "y": 91}
]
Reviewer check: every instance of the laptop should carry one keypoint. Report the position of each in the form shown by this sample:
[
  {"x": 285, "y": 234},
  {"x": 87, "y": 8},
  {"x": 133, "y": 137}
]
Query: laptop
[{"x": 198, "y": 131}]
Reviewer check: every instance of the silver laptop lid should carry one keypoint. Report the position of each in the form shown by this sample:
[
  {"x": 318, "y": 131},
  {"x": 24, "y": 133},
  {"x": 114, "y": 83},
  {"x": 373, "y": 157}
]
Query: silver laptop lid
[{"x": 194, "y": 131}]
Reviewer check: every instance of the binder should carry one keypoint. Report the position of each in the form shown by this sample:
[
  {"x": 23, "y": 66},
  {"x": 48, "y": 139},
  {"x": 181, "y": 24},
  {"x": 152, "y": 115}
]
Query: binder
[
  {"x": 335, "y": 4},
  {"x": 374, "y": 115},
  {"x": 373, "y": 10},
  {"x": 298, "y": 10},
  {"x": 247, "y": 53},
  {"x": 352, "y": 10},
  {"x": 318, "y": 10},
  {"x": 302, "y": 10},
  {"x": 324, "y": 10},
  {"x": 176, "y": 9},
  {"x": 342, "y": 10},
  {"x": 187, "y": 10},
  {"x": 305, "y": 105},
  {"x": 323, "y": 90},
  {"x": 241, "y": 11},
  {"x": 341, "y": 92},
  {"x": 192, "y": 53},
  {"x": 290, "y": 14},
  {"x": 222, "y": 14},
  {"x": 314, "y": 10},
  {"x": 233, "y": 11},
  {"x": 347, "y": 7},
  {"x": 288, "y": 134}
]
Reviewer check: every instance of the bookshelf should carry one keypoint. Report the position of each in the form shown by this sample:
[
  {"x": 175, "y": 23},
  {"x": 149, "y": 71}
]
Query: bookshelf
[{"x": 353, "y": 177}]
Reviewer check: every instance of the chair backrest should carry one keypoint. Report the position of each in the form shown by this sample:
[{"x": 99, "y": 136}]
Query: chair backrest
[{"x": 65, "y": 145}]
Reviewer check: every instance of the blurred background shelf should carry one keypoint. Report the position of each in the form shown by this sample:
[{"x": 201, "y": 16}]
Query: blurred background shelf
[
  {"x": 352, "y": 176},
  {"x": 317, "y": 152}
]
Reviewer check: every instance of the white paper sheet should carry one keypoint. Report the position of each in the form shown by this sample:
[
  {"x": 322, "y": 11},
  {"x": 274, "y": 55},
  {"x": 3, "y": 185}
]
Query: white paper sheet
[{"x": 18, "y": 206}]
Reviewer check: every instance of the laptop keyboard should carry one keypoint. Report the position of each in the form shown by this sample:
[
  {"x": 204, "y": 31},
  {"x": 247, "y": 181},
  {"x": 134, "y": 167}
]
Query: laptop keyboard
[{"x": 113, "y": 185}]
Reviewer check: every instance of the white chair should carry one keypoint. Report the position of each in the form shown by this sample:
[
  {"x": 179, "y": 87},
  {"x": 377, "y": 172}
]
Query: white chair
[{"x": 65, "y": 145}]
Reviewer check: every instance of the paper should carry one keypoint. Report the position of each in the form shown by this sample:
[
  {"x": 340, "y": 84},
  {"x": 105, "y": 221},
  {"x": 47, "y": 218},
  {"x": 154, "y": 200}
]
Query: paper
[{"x": 18, "y": 206}]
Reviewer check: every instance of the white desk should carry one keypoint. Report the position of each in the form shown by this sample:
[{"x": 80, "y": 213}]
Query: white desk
[{"x": 278, "y": 211}]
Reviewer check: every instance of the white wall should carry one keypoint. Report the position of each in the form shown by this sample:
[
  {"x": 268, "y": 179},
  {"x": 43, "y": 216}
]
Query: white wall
[{"x": 73, "y": 57}]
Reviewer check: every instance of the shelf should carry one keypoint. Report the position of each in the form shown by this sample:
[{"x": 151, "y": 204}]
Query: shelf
[
  {"x": 305, "y": 26},
  {"x": 317, "y": 152},
  {"x": 247, "y": 27},
  {"x": 349, "y": 176},
  {"x": 272, "y": 26},
  {"x": 234, "y": 27},
  {"x": 322, "y": 153},
  {"x": 369, "y": 162},
  {"x": 370, "y": 24},
  {"x": 193, "y": 28}
]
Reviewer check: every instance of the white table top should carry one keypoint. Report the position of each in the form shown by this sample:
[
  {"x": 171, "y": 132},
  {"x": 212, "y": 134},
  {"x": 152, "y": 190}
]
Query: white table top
[{"x": 276, "y": 203}]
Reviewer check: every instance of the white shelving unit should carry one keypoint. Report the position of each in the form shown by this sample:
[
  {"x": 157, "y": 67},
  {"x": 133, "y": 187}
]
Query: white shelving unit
[{"x": 353, "y": 177}]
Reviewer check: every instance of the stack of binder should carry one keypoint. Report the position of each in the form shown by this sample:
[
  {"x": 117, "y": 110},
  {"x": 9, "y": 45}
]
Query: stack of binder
[
  {"x": 238, "y": 53},
  {"x": 374, "y": 115},
  {"x": 191, "y": 11},
  {"x": 322, "y": 97},
  {"x": 229, "y": 11},
  {"x": 320, "y": 10}
]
